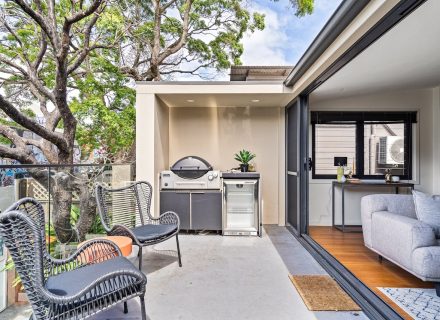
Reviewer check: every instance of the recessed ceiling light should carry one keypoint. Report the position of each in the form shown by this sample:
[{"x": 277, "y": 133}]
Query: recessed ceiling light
[
  {"x": 190, "y": 100},
  {"x": 255, "y": 100}
]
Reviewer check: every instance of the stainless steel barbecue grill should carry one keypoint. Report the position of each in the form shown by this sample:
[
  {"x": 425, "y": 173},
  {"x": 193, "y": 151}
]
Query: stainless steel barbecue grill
[{"x": 190, "y": 172}]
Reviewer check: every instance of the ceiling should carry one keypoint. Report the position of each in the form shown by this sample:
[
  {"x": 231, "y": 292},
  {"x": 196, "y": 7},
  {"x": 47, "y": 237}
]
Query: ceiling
[
  {"x": 406, "y": 57},
  {"x": 226, "y": 100}
]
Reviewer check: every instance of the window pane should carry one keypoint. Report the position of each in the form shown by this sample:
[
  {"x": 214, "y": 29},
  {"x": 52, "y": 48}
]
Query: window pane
[
  {"x": 331, "y": 141},
  {"x": 384, "y": 148}
]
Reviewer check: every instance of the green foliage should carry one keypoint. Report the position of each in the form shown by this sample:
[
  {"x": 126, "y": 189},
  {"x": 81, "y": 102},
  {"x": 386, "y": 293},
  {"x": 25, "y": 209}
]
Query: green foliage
[
  {"x": 302, "y": 7},
  {"x": 104, "y": 109},
  {"x": 96, "y": 227},
  {"x": 244, "y": 156},
  {"x": 101, "y": 94}
]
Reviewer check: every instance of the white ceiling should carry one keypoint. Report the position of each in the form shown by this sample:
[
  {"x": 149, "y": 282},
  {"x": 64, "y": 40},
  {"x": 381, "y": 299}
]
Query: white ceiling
[
  {"x": 226, "y": 100},
  {"x": 406, "y": 57}
]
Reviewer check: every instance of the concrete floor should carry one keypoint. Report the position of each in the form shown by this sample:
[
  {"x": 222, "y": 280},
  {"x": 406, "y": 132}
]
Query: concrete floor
[{"x": 222, "y": 278}]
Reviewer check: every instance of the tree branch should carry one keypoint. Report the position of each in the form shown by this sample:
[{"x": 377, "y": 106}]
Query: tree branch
[
  {"x": 20, "y": 152},
  {"x": 16, "y": 154},
  {"x": 30, "y": 124},
  {"x": 84, "y": 14},
  {"x": 39, "y": 19},
  {"x": 179, "y": 43}
]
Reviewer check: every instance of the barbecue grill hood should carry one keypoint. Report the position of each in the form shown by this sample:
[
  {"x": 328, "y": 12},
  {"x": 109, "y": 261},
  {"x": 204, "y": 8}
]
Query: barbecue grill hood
[{"x": 191, "y": 167}]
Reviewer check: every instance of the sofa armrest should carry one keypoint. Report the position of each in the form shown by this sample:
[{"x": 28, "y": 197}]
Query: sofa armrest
[
  {"x": 400, "y": 204},
  {"x": 396, "y": 236}
]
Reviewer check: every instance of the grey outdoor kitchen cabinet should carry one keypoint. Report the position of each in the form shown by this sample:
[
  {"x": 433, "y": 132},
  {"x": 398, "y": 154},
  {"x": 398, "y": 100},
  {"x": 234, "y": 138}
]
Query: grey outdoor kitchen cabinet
[
  {"x": 197, "y": 209},
  {"x": 179, "y": 202}
]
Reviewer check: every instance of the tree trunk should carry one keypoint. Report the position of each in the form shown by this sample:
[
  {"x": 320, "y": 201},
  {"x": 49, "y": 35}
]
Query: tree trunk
[
  {"x": 87, "y": 207},
  {"x": 61, "y": 199},
  {"x": 63, "y": 183}
]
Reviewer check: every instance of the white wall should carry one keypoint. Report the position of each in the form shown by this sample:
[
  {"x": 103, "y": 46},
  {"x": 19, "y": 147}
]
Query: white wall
[
  {"x": 165, "y": 134},
  {"x": 215, "y": 134},
  {"x": 151, "y": 142},
  {"x": 436, "y": 140},
  {"x": 425, "y": 148}
]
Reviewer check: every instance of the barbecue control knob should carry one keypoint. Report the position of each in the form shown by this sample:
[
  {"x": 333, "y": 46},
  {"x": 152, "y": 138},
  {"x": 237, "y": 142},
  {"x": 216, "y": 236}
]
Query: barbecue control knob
[
  {"x": 210, "y": 177},
  {"x": 215, "y": 174}
]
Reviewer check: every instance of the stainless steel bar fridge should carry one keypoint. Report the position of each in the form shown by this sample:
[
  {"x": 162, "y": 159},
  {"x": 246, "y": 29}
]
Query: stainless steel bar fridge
[{"x": 241, "y": 207}]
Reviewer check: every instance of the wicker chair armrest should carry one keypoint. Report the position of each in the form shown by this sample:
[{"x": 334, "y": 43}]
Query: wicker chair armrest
[
  {"x": 169, "y": 217},
  {"x": 91, "y": 252},
  {"x": 121, "y": 230},
  {"x": 94, "y": 286}
]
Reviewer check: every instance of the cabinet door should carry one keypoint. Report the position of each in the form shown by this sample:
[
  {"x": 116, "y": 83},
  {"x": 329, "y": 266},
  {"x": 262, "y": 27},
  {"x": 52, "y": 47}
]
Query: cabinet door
[
  {"x": 179, "y": 202},
  {"x": 206, "y": 210}
]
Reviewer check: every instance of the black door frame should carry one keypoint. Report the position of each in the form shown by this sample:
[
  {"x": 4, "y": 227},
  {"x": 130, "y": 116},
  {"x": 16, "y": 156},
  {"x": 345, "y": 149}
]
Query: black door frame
[
  {"x": 373, "y": 306},
  {"x": 302, "y": 166}
]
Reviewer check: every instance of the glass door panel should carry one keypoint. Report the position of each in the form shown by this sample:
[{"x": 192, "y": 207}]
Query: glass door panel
[{"x": 241, "y": 210}]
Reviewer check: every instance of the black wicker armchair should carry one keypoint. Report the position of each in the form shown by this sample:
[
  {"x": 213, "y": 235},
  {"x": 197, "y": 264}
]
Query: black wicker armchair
[
  {"x": 91, "y": 280},
  {"x": 126, "y": 212}
]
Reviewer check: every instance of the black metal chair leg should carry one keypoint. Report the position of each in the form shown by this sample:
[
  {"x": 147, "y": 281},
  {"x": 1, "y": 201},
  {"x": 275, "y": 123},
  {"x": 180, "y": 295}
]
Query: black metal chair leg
[
  {"x": 125, "y": 307},
  {"x": 143, "y": 313},
  {"x": 437, "y": 288},
  {"x": 178, "y": 250},
  {"x": 140, "y": 258}
]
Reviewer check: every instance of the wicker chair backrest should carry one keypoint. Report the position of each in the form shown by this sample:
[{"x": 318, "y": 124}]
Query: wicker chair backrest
[
  {"x": 128, "y": 206},
  {"x": 22, "y": 237}
]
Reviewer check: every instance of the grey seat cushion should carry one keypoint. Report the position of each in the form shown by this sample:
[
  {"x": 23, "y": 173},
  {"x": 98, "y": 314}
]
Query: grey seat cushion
[
  {"x": 428, "y": 210},
  {"x": 71, "y": 282},
  {"x": 153, "y": 231}
]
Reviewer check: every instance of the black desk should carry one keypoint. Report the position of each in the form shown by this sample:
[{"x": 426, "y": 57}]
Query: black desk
[{"x": 360, "y": 184}]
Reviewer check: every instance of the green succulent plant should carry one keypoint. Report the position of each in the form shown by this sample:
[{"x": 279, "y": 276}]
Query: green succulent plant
[{"x": 244, "y": 156}]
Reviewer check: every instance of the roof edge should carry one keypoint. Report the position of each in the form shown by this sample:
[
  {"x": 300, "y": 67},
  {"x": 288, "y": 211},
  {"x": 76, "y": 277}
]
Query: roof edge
[
  {"x": 347, "y": 11},
  {"x": 210, "y": 83}
]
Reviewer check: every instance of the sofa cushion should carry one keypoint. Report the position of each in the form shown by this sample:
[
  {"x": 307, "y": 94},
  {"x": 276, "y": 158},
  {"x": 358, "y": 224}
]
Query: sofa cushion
[
  {"x": 426, "y": 263},
  {"x": 428, "y": 210}
]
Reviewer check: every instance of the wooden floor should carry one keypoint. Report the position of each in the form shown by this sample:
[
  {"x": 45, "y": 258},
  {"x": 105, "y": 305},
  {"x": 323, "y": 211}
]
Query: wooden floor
[{"x": 349, "y": 249}]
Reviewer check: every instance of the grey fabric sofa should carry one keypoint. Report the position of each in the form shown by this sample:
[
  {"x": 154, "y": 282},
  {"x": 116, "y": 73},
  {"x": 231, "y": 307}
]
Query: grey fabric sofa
[{"x": 391, "y": 229}]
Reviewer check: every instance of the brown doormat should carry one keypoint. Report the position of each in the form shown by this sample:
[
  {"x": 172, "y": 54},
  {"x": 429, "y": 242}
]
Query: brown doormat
[{"x": 322, "y": 293}]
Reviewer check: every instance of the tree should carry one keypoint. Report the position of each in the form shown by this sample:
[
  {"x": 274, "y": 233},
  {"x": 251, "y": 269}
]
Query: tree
[
  {"x": 43, "y": 45},
  {"x": 74, "y": 59},
  {"x": 186, "y": 36},
  {"x": 302, "y": 7}
]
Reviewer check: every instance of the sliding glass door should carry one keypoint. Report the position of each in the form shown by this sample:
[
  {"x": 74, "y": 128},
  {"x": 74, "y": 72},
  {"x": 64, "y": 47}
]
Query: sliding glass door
[{"x": 296, "y": 165}]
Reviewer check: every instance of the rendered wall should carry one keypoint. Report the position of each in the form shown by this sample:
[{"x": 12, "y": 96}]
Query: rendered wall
[
  {"x": 152, "y": 142},
  {"x": 425, "y": 149},
  {"x": 216, "y": 134}
]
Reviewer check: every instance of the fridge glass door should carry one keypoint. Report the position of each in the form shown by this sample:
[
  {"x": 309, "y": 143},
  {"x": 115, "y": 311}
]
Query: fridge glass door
[{"x": 241, "y": 197}]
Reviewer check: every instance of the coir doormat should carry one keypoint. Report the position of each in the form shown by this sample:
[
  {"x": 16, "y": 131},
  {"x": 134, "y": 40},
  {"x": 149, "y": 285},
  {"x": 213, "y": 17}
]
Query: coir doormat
[{"x": 322, "y": 293}]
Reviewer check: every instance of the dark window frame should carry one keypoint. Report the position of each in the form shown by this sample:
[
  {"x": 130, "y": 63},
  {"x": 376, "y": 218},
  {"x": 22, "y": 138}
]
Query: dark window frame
[{"x": 360, "y": 119}]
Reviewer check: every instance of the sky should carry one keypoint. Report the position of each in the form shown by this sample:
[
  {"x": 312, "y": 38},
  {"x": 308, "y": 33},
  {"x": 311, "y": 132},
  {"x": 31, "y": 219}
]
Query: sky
[{"x": 286, "y": 37}]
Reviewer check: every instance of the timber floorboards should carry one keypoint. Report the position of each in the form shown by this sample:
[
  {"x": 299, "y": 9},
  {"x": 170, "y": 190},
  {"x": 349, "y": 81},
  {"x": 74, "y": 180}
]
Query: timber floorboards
[{"x": 349, "y": 250}]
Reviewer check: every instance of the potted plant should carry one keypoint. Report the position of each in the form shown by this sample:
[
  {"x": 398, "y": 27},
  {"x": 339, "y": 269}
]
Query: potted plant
[{"x": 244, "y": 157}]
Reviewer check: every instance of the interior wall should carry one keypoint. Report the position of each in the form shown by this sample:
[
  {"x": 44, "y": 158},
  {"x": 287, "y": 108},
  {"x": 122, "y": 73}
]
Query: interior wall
[
  {"x": 215, "y": 134},
  {"x": 436, "y": 141},
  {"x": 424, "y": 149}
]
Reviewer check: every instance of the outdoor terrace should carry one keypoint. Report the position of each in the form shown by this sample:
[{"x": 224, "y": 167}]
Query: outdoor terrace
[{"x": 222, "y": 278}]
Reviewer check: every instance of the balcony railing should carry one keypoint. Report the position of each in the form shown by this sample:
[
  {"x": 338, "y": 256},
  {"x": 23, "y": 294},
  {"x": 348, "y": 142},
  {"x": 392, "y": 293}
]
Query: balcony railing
[{"x": 67, "y": 195}]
